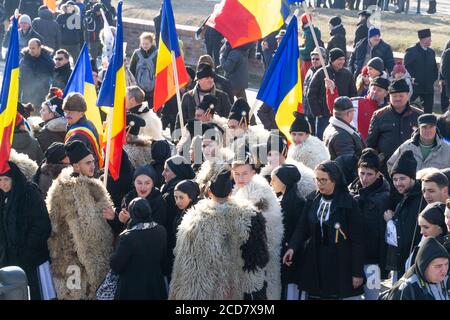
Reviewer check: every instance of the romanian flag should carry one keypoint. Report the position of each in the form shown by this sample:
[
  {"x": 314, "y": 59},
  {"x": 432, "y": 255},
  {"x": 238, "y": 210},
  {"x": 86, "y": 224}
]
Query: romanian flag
[
  {"x": 281, "y": 87},
  {"x": 9, "y": 97},
  {"x": 165, "y": 77},
  {"x": 244, "y": 21},
  {"x": 112, "y": 94},
  {"x": 81, "y": 81}
]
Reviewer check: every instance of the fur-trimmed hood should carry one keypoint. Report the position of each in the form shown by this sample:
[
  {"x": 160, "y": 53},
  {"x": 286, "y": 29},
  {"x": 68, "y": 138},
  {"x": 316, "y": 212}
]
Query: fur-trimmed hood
[
  {"x": 81, "y": 242},
  {"x": 260, "y": 194},
  {"x": 27, "y": 166},
  {"x": 208, "y": 261},
  {"x": 311, "y": 152}
]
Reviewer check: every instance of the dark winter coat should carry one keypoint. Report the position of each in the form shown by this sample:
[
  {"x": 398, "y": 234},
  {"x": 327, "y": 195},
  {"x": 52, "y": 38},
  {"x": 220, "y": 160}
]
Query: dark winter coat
[
  {"x": 70, "y": 35},
  {"x": 361, "y": 32},
  {"x": 53, "y": 131},
  {"x": 337, "y": 39},
  {"x": 30, "y": 7},
  {"x": 94, "y": 24},
  {"x": 191, "y": 100},
  {"x": 235, "y": 64},
  {"x": 35, "y": 76},
  {"x": 135, "y": 58},
  {"x": 389, "y": 129},
  {"x": 373, "y": 202},
  {"x": 156, "y": 202},
  {"x": 24, "y": 143},
  {"x": 24, "y": 228},
  {"x": 140, "y": 259},
  {"x": 45, "y": 175},
  {"x": 121, "y": 187},
  {"x": 445, "y": 69},
  {"x": 10, "y": 6},
  {"x": 405, "y": 219},
  {"x": 49, "y": 30},
  {"x": 61, "y": 76},
  {"x": 341, "y": 138},
  {"x": 421, "y": 65},
  {"x": 382, "y": 50},
  {"x": 224, "y": 85},
  {"x": 306, "y": 83},
  {"x": 444, "y": 125},
  {"x": 317, "y": 92},
  {"x": 24, "y": 37},
  {"x": 325, "y": 267},
  {"x": 308, "y": 43},
  {"x": 292, "y": 206}
]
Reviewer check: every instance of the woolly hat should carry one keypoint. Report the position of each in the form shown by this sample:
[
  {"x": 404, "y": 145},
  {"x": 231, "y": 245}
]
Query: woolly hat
[
  {"x": 399, "y": 68},
  {"x": 335, "y": 54},
  {"x": 55, "y": 105},
  {"x": 424, "y": 33},
  {"x": 55, "y": 153},
  {"x": 24, "y": 18},
  {"x": 209, "y": 102},
  {"x": 76, "y": 150},
  {"x": 240, "y": 111},
  {"x": 300, "y": 123},
  {"x": 288, "y": 174},
  {"x": 369, "y": 158},
  {"x": 146, "y": 170},
  {"x": 335, "y": 21},
  {"x": 222, "y": 186},
  {"x": 434, "y": 213},
  {"x": 203, "y": 71},
  {"x": 140, "y": 211},
  {"x": 304, "y": 18},
  {"x": 406, "y": 164},
  {"x": 373, "y": 31},
  {"x": 377, "y": 64}
]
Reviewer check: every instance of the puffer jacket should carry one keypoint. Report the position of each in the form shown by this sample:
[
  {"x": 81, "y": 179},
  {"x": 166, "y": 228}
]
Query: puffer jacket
[{"x": 49, "y": 30}]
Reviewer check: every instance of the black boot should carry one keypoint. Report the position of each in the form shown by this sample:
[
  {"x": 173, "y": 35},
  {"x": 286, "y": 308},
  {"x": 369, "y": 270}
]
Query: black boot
[{"x": 431, "y": 7}]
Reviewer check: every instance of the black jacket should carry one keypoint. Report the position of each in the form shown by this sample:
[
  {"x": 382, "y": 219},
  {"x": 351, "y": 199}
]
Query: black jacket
[
  {"x": 35, "y": 76},
  {"x": 444, "y": 125},
  {"x": 337, "y": 39},
  {"x": 61, "y": 76},
  {"x": 23, "y": 142},
  {"x": 53, "y": 130},
  {"x": 49, "y": 30},
  {"x": 445, "y": 69},
  {"x": 234, "y": 61},
  {"x": 361, "y": 32},
  {"x": 326, "y": 267},
  {"x": 317, "y": 93},
  {"x": 405, "y": 219},
  {"x": 421, "y": 65},
  {"x": 341, "y": 138},
  {"x": 71, "y": 34},
  {"x": 373, "y": 202},
  {"x": 292, "y": 206},
  {"x": 24, "y": 227},
  {"x": 388, "y": 129},
  {"x": 140, "y": 259},
  {"x": 29, "y": 7},
  {"x": 382, "y": 50}
]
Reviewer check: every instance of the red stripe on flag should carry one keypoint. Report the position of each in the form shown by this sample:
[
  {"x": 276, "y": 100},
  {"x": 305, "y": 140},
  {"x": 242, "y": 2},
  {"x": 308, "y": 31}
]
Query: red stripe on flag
[
  {"x": 116, "y": 155},
  {"x": 162, "y": 88},
  {"x": 5, "y": 148},
  {"x": 236, "y": 24}
]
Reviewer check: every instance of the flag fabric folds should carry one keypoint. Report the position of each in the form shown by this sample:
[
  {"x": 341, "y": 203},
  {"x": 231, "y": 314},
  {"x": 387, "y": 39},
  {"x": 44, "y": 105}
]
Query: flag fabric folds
[
  {"x": 9, "y": 97},
  {"x": 112, "y": 94},
  {"x": 165, "y": 78},
  {"x": 244, "y": 21},
  {"x": 81, "y": 81},
  {"x": 281, "y": 87}
]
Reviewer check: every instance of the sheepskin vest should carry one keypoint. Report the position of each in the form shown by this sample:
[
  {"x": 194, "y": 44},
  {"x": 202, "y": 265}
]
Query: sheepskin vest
[
  {"x": 27, "y": 166},
  {"x": 138, "y": 154},
  {"x": 81, "y": 242},
  {"x": 310, "y": 152},
  {"x": 208, "y": 261},
  {"x": 259, "y": 193}
]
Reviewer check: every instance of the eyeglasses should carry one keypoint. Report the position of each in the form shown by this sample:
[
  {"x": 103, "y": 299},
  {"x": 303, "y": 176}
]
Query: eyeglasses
[
  {"x": 315, "y": 59},
  {"x": 321, "y": 181}
]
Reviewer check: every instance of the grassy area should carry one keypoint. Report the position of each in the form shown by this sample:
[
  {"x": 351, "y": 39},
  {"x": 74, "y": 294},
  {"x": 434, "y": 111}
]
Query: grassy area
[{"x": 399, "y": 30}]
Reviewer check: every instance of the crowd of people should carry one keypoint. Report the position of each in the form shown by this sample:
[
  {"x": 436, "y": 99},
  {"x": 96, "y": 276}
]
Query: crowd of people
[{"x": 227, "y": 207}]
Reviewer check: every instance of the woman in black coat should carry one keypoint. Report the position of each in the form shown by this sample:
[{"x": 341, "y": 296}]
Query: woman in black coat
[
  {"x": 144, "y": 187},
  {"x": 337, "y": 35},
  {"x": 284, "y": 181},
  {"x": 140, "y": 256},
  {"x": 329, "y": 240},
  {"x": 24, "y": 226},
  {"x": 186, "y": 195}
]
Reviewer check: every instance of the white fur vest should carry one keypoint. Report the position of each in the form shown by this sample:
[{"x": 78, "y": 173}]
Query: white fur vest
[
  {"x": 208, "y": 261},
  {"x": 81, "y": 242},
  {"x": 27, "y": 166},
  {"x": 138, "y": 154},
  {"x": 259, "y": 193},
  {"x": 311, "y": 152}
]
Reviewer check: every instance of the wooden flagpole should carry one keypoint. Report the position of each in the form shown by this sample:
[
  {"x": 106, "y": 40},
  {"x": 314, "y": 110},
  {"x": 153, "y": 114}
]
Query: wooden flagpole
[{"x": 177, "y": 87}]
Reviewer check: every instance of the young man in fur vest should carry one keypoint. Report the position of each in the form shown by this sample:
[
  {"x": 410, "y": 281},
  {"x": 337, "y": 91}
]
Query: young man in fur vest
[
  {"x": 81, "y": 242},
  {"x": 221, "y": 248},
  {"x": 254, "y": 188},
  {"x": 306, "y": 148}
]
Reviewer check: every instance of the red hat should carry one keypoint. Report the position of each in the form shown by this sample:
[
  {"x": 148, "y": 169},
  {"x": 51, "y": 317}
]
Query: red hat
[
  {"x": 365, "y": 71},
  {"x": 399, "y": 68},
  {"x": 304, "y": 18}
]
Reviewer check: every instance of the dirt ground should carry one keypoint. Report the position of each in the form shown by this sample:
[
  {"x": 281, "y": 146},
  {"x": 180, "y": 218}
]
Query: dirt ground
[{"x": 399, "y": 30}]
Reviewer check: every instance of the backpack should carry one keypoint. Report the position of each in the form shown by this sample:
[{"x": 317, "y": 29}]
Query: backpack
[{"x": 145, "y": 71}]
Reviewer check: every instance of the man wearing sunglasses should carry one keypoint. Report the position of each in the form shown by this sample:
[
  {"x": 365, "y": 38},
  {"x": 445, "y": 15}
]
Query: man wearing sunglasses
[{"x": 62, "y": 69}]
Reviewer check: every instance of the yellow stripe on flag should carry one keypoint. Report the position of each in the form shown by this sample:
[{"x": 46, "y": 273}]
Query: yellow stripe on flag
[{"x": 267, "y": 13}]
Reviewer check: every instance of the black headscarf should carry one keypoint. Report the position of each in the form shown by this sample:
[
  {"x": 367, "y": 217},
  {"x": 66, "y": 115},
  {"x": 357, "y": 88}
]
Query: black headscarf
[
  {"x": 334, "y": 170},
  {"x": 190, "y": 188},
  {"x": 140, "y": 211}
]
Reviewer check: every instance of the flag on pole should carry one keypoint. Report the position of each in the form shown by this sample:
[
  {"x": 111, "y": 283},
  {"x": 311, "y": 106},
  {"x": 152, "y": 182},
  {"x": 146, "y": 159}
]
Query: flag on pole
[
  {"x": 112, "y": 94},
  {"x": 281, "y": 87},
  {"x": 82, "y": 81},
  {"x": 51, "y": 4},
  {"x": 244, "y": 21},
  {"x": 165, "y": 87},
  {"x": 9, "y": 97}
]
